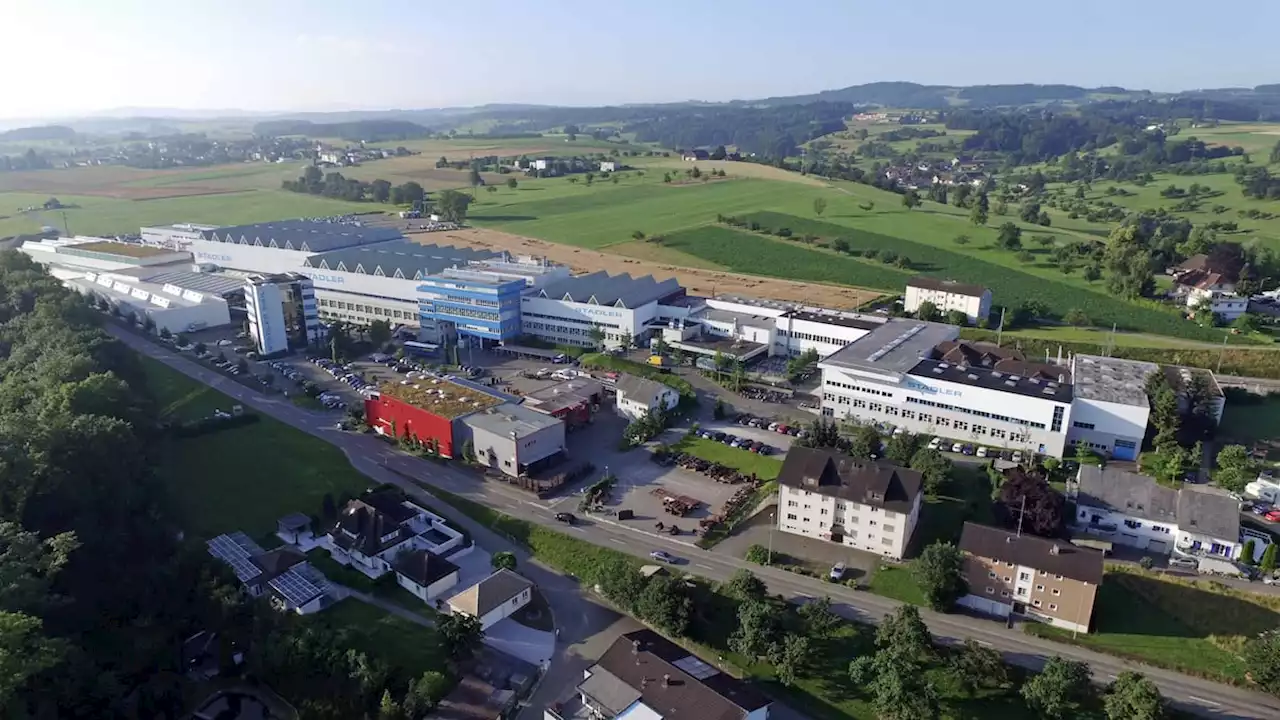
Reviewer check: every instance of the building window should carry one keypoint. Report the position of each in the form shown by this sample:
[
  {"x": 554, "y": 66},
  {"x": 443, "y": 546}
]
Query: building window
[
  {"x": 1022, "y": 592},
  {"x": 1008, "y": 579},
  {"x": 1082, "y": 425},
  {"x": 791, "y": 516},
  {"x": 1004, "y": 593},
  {"x": 1025, "y": 576},
  {"x": 1009, "y": 564},
  {"x": 792, "y": 503},
  {"x": 886, "y": 541},
  {"x": 1057, "y": 577},
  {"x": 991, "y": 575},
  {"x": 1039, "y": 588},
  {"x": 1056, "y": 591},
  {"x": 823, "y": 511},
  {"x": 1052, "y": 607},
  {"x": 1036, "y": 603},
  {"x": 991, "y": 590},
  {"x": 888, "y": 528}
]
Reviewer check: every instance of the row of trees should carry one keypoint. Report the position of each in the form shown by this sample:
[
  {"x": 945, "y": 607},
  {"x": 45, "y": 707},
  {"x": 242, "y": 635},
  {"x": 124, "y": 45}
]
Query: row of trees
[{"x": 333, "y": 185}]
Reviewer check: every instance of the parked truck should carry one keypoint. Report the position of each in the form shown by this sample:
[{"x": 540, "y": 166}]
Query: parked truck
[{"x": 661, "y": 361}]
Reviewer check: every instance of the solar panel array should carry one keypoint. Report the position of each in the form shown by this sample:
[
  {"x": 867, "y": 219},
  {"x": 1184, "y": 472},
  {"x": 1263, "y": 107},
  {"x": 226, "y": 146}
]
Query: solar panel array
[
  {"x": 696, "y": 667},
  {"x": 894, "y": 343},
  {"x": 237, "y": 550},
  {"x": 294, "y": 588}
]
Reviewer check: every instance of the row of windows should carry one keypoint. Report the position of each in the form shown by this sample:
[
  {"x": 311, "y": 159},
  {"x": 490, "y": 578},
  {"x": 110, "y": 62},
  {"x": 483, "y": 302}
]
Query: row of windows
[
  {"x": 979, "y": 413},
  {"x": 468, "y": 313},
  {"x": 860, "y": 388},
  {"x": 366, "y": 309},
  {"x": 941, "y": 422},
  {"x": 1021, "y": 592},
  {"x": 812, "y": 338},
  {"x": 575, "y": 321},
  {"x": 851, "y": 535},
  {"x": 1082, "y": 425}
]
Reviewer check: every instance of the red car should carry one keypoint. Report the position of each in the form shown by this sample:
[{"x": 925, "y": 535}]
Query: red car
[{"x": 1273, "y": 516}]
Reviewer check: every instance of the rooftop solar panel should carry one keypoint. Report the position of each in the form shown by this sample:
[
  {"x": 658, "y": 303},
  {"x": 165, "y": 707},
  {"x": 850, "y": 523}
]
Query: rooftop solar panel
[{"x": 294, "y": 588}]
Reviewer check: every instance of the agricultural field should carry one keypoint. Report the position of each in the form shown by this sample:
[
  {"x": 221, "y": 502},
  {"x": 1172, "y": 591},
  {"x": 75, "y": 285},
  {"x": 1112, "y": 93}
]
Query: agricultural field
[
  {"x": 90, "y": 215},
  {"x": 1253, "y": 137},
  {"x": 463, "y": 147}
]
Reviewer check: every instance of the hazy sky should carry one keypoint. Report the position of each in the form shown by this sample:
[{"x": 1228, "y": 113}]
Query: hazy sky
[{"x": 71, "y": 56}]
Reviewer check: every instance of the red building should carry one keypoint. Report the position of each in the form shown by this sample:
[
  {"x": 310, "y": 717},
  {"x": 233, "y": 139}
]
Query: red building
[
  {"x": 572, "y": 401},
  {"x": 427, "y": 410}
]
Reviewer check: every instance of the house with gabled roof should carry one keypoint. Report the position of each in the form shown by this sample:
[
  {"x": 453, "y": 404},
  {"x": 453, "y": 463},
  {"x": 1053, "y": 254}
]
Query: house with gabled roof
[
  {"x": 862, "y": 504},
  {"x": 282, "y": 574},
  {"x": 373, "y": 530}
]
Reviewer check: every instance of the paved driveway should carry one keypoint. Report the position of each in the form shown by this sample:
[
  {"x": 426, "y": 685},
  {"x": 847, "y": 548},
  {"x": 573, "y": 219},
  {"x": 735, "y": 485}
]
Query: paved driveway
[{"x": 509, "y": 636}]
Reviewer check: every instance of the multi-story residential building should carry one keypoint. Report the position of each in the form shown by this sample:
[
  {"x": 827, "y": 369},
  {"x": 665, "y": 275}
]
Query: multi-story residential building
[
  {"x": 1051, "y": 581},
  {"x": 1134, "y": 510},
  {"x": 914, "y": 375},
  {"x": 947, "y": 295},
  {"x": 831, "y": 496},
  {"x": 637, "y": 396}
]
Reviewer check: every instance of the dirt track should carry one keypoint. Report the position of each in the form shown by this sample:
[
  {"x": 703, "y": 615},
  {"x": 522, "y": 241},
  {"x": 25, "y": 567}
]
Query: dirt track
[{"x": 697, "y": 282}]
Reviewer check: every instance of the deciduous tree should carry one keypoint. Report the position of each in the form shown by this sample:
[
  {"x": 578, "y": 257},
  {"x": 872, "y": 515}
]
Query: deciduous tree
[
  {"x": 938, "y": 573},
  {"x": 979, "y": 666},
  {"x": 1059, "y": 690},
  {"x": 503, "y": 561}
]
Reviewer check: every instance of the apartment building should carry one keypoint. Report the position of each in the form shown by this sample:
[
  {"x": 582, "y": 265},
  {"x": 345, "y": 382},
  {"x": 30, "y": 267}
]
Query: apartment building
[
  {"x": 947, "y": 295},
  {"x": 831, "y": 496},
  {"x": 1051, "y": 581}
]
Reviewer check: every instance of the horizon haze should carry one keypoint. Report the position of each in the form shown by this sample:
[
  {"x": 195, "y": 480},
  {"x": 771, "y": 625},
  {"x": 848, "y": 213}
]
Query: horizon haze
[{"x": 291, "y": 56}]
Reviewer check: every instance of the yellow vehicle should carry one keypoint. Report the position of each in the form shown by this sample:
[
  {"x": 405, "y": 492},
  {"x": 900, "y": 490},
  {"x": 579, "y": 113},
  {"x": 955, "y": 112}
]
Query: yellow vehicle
[{"x": 661, "y": 361}]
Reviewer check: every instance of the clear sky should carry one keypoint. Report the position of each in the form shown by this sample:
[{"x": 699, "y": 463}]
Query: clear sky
[{"x": 65, "y": 57}]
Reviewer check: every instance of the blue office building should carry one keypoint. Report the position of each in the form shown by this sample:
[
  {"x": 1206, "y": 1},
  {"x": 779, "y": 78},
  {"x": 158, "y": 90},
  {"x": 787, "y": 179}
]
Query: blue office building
[{"x": 471, "y": 306}]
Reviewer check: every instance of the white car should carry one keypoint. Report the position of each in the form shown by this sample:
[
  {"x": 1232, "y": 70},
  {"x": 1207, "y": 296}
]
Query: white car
[
  {"x": 935, "y": 443},
  {"x": 958, "y": 447},
  {"x": 224, "y": 343},
  {"x": 1017, "y": 456},
  {"x": 662, "y": 555},
  {"x": 982, "y": 452},
  {"x": 837, "y": 572}
]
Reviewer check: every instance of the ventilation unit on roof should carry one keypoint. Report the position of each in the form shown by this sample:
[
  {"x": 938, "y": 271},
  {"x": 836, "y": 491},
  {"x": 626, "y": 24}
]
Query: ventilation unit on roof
[{"x": 971, "y": 376}]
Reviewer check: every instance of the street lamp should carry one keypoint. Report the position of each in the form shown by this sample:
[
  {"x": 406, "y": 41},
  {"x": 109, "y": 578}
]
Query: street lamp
[{"x": 772, "y": 522}]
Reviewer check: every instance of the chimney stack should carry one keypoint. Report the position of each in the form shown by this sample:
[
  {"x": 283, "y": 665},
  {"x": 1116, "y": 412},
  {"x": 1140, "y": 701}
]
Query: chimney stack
[
  {"x": 644, "y": 683},
  {"x": 666, "y": 681},
  {"x": 1055, "y": 549},
  {"x": 635, "y": 647}
]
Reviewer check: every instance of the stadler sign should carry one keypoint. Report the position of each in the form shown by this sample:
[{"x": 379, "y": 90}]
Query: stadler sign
[
  {"x": 929, "y": 389},
  {"x": 212, "y": 256},
  {"x": 335, "y": 279}
]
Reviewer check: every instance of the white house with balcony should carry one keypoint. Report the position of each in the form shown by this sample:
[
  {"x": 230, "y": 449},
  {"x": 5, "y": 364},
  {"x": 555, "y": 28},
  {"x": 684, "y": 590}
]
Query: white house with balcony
[
  {"x": 373, "y": 530},
  {"x": 866, "y": 505},
  {"x": 1134, "y": 510}
]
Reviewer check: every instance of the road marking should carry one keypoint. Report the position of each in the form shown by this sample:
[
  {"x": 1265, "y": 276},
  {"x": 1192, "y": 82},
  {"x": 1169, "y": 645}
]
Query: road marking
[
  {"x": 613, "y": 539},
  {"x": 983, "y": 643},
  {"x": 705, "y": 567},
  {"x": 1202, "y": 700}
]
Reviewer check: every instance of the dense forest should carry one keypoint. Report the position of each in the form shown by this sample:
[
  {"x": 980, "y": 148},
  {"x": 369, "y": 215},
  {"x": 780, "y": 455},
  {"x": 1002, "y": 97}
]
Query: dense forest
[{"x": 42, "y": 132}]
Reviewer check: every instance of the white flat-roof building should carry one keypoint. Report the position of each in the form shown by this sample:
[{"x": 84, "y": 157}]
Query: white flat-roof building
[
  {"x": 947, "y": 295},
  {"x": 787, "y": 329},
  {"x": 914, "y": 375},
  {"x": 99, "y": 254},
  {"x": 1110, "y": 412},
  {"x": 514, "y": 439},
  {"x": 282, "y": 312}
]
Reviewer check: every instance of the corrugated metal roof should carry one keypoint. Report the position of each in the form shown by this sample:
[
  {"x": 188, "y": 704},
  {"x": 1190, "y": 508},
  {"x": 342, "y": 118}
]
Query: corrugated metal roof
[
  {"x": 402, "y": 259},
  {"x": 303, "y": 235},
  {"x": 601, "y": 288}
]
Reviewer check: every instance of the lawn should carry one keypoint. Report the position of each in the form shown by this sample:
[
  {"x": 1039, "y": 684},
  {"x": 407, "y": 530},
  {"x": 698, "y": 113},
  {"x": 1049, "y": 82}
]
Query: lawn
[
  {"x": 745, "y": 461},
  {"x": 243, "y": 478},
  {"x": 1176, "y": 634},
  {"x": 408, "y": 647}
]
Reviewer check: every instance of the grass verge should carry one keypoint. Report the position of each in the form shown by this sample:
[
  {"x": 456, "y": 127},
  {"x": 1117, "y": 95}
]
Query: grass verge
[
  {"x": 744, "y": 461},
  {"x": 406, "y": 646}
]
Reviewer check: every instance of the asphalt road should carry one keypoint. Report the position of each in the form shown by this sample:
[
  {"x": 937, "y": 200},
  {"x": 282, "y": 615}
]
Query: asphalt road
[{"x": 578, "y": 616}]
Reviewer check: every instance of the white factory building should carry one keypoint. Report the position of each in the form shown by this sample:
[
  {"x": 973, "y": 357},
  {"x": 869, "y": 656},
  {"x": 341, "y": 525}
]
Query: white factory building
[
  {"x": 915, "y": 375},
  {"x": 564, "y": 311},
  {"x": 947, "y": 295},
  {"x": 170, "y": 306},
  {"x": 786, "y": 329},
  {"x": 1110, "y": 412}
]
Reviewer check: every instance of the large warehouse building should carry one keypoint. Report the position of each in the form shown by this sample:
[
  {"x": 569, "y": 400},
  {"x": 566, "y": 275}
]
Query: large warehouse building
[{"x": 565, "y": 311}]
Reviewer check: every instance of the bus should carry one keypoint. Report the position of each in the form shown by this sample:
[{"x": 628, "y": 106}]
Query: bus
[{"x": 420, "y": 349}]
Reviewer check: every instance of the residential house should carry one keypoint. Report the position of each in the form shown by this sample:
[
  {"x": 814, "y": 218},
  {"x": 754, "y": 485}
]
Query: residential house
[
  {"x": 424, "y": 573},
  {"x": 1131, "y": 509},
  {"x": 282, "y": 574},
  {"x": 947, "y": 295},
  {"x": 644, "y": 675},
  {"x": 637, "y": 396},
  {"x": 694, "y": 155},
  {"x": 608, "y": 166},
  {"x": 1043, "y": 579},
  {"x": 831, "y": 496},
  {"x": 374, "y": 529},
  {"x": 494, "y": 598},
  {"x": 1200, "y": 279}
]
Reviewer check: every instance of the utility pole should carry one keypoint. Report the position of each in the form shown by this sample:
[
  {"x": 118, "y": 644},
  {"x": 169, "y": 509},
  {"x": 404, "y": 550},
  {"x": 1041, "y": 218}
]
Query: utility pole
[
  {"x": 66, "y": 227},
  {"x": 1022, "y": 512},
  {"x": 1221, "y": 352},
  {"x": 1000, "y": 330}
]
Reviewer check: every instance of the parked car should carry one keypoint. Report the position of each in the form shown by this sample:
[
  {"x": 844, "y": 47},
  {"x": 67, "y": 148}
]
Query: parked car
[
  {"x": 765, "y": 449},
  {"x": 935, "y": 443},
  {"x": 1261, "y": 508},
  {"x": 663, "y": 555},
  {"x": 837, "y": 572},
  {"x": 957, "y": 447},
  {"x": 1273, "y": 516},
  {"x": 982, "y": 452},
  {"x": 782, "y": 429},
  {"x": 566, "y": 518},
  {"x": 1184, "y": 563}
]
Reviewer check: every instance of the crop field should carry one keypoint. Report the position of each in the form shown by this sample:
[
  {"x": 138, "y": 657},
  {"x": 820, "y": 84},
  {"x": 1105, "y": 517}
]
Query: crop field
[
  {"x": 1253, "y": 137},
  {"x": 89, "y": 215},
  {"x": 1009, "y": 286}
]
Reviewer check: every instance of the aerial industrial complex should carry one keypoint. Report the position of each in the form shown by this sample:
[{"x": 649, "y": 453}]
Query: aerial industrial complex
[{"x": 284, "y": 279}]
